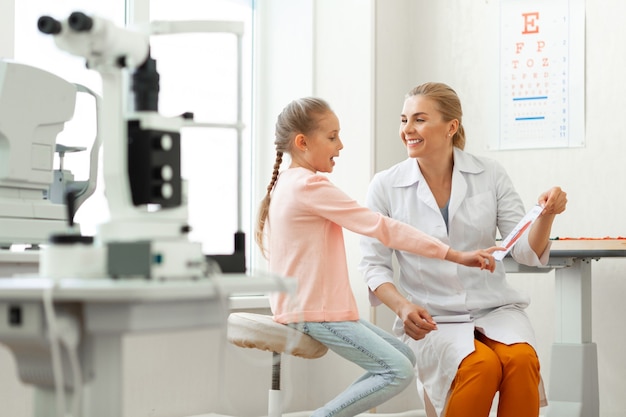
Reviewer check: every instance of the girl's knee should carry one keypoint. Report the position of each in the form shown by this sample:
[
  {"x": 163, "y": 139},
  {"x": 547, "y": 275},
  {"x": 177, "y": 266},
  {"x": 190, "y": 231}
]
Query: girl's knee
[
  {"x": 400, "y": 372},
  {"x": 406, "y": 372},
  {"x": 411, "y": 357}
]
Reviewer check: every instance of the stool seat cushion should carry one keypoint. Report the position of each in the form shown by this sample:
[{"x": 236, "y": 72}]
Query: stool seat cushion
[{"x": 260, "y": 331}]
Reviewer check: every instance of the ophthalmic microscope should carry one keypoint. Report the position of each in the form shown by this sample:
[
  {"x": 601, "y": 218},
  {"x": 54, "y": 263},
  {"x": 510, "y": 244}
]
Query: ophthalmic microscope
[{"x": 66, "y": 325}]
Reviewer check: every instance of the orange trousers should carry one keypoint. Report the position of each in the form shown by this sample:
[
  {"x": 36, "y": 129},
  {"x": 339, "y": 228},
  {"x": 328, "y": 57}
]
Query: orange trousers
[{"x": 513, "y": 370}]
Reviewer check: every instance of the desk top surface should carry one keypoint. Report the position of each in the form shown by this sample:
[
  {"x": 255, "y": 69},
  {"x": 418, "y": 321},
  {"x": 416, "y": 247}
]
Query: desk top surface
[
  {"x": 137, "y": 290},
  {"x": 588, "y": 248}
]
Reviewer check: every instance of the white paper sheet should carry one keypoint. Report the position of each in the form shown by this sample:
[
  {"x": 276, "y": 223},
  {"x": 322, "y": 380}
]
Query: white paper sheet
[
  {"x": 517, "y": 232},
  {"x": 458, "y": 318}
]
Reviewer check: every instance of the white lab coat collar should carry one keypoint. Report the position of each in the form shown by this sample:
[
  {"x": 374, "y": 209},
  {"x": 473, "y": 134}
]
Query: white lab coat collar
[{"x": 409, "y": 174}]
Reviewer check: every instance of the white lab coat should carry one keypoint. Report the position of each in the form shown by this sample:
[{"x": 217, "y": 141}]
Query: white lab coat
[{"x": 482, "y": 200}]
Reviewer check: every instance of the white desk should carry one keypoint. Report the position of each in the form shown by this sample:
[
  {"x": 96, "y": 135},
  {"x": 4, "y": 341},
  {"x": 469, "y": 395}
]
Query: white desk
[
  {"x": 13, "y": 263},
  {"x": 107, "y": 310},
  {"x": 573, "y": 390}
]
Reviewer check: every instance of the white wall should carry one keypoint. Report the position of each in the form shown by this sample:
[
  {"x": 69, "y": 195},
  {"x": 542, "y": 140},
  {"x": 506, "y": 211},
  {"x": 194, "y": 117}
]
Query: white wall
[{"x": 7, "y": 21}]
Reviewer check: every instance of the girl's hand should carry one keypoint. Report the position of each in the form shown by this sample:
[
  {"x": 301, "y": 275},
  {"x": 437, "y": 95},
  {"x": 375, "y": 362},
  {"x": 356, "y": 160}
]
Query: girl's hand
[{"x": 482, "y": 258}]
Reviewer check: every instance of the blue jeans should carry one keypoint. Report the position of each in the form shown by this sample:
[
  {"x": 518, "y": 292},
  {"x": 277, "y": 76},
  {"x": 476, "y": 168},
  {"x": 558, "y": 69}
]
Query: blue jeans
[{"x": 389, "y": 364}]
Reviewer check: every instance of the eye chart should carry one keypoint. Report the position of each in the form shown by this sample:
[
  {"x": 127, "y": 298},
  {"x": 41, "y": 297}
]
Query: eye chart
[{"x": 541, "y": 74}]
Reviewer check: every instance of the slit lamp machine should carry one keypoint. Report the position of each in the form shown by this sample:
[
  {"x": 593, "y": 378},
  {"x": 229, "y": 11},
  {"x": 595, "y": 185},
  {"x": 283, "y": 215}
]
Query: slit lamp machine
[{"x": 65, "y": 322}]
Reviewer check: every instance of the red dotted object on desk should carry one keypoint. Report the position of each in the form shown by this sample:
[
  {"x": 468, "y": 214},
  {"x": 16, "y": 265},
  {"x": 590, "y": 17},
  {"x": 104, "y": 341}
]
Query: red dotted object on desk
[{"x": 590, "y": 238}]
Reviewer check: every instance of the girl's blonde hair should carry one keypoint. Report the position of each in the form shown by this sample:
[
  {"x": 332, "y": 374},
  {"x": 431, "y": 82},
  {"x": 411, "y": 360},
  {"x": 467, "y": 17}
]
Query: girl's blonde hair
[
  {"x": 299, "y": 116},
  {"x": 448, "y": 104}
]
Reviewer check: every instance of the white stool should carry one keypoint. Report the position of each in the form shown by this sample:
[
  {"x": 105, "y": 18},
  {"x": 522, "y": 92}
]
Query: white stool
[{"x": 260, "y": 331}]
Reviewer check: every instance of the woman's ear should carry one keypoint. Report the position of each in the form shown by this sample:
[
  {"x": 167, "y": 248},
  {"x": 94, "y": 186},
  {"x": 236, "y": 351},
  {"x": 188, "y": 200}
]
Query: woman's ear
[
  {"x": 300, "y": 142},
  {"x": 454, "y": 126}
]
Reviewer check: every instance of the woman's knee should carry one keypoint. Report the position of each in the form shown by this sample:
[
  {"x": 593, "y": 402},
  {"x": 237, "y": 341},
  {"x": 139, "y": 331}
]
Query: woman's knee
[
  {"x": 517, "y": 355},
  {"x": 476, "y": 383},
  {"x": 520, "y": 356},
  {"x": 483, "y": 364}
]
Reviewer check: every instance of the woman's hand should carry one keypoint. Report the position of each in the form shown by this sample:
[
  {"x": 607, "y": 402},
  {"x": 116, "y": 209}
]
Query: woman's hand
[
  {"x": 553, "y": 201},
  {"x": 417, "y": 321},
  {"x": 482, "y": 258}
]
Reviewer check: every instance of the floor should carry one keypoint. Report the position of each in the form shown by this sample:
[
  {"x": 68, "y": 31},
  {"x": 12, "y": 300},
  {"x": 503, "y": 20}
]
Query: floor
[{"x": 412, "y": 413}]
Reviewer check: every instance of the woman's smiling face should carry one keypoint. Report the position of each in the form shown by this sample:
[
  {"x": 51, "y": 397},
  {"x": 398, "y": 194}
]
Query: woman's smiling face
[{"x": 422, "y": 128}]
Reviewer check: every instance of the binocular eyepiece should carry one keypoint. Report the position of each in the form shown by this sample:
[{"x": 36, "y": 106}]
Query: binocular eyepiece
[
  {"x": 49, "y": 25},
  {"x": 78, "y": 21}
]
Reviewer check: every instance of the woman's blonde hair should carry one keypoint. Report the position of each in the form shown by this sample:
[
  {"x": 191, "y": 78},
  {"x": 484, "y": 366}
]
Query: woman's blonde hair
[
  {"x": 448, "y": 104},
  {"x": 299, "y": 116}
]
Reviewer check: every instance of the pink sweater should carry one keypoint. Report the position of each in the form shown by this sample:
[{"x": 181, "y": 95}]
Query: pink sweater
[{"x": 305, "y": 242}]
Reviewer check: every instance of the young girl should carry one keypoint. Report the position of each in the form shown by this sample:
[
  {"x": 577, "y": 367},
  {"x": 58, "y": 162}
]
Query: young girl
[{"x": 303, "y": 231}]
